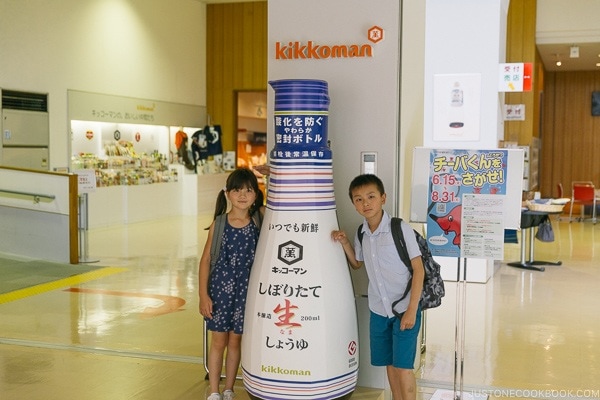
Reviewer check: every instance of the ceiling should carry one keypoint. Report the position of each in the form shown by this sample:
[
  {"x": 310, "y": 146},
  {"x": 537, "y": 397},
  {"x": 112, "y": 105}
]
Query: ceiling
[
  {"x": 589, "y": 53},
  {"x": 226, "y": 1},
  {"x": 589, "y": 56}
]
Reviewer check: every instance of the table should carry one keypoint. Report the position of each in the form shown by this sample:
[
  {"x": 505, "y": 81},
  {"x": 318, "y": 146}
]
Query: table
[{"x": 529, "y": 220}]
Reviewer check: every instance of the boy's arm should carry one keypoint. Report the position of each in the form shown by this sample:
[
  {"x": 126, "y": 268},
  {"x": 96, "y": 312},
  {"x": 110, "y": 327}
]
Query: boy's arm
[
  {"x": 410, "y": 316},
  {"x": 340, "y": 236},
  {"x": 416, "y": 288}
]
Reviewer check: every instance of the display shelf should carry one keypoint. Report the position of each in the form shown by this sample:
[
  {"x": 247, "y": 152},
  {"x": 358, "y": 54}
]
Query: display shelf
[{"x": 123, "y": 170}]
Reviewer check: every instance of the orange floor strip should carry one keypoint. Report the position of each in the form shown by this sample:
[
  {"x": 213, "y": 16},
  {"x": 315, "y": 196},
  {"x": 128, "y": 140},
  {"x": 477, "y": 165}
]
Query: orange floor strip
[
  {"x": 169, "y": 303},
  {"x": 58, "y": 284}
]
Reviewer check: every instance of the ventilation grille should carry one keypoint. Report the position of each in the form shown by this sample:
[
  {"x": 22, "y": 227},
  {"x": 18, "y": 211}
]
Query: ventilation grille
[{"x": 24, "y": 101}]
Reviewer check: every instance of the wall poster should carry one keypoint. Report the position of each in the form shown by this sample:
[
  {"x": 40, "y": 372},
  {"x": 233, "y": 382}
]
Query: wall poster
[{"x": 465, "y": 216}]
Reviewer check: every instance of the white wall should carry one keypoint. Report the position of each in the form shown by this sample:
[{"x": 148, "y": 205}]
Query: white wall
[
  {"x": 466, "y": 37},
  {"x": 364, "y": 112},
  {"x": 149, "y": 49},
  {"x": 37, "y": 227},
  {"x": 559, "y": 21},
  {"x": 364, "y": 92},
  {"x": 412, "y": 76}
]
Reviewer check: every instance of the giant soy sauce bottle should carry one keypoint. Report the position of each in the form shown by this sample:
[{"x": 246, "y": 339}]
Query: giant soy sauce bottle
[{"x": 300, "y": 331}]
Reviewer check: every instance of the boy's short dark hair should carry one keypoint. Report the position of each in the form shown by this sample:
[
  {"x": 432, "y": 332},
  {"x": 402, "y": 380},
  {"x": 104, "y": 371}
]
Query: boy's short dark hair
[{"x": 363, "y": 180}]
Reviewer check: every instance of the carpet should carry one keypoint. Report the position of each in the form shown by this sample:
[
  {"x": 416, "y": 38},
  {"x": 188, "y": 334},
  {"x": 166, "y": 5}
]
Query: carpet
[{"x": 18, "y": 278}]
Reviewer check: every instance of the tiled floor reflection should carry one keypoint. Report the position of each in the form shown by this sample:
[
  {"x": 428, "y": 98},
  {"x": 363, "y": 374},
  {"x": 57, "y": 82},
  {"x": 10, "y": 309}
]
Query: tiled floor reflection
[{"x": 137, "y": 334}]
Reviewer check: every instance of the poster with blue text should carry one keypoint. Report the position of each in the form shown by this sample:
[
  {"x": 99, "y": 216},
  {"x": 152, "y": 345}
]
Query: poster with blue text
[{"x": 453, "y": 173}]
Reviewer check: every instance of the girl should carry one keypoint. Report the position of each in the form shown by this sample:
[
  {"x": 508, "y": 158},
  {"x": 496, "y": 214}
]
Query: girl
[{"x": 223, "y": 286}]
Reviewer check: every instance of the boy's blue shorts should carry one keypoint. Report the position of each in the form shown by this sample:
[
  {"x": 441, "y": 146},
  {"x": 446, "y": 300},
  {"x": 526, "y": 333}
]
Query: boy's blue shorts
[{"x": 390, "y": 345}]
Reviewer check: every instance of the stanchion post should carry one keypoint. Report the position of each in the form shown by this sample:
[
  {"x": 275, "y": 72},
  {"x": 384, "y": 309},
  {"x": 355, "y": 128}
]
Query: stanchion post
[
  {"x": 459, "y": 337},
  {"x": 83, "y": 229}
]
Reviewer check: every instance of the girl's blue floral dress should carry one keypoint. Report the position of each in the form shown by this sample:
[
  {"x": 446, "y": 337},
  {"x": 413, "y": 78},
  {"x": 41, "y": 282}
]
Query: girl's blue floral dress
[{"x": 228, "y": 284}]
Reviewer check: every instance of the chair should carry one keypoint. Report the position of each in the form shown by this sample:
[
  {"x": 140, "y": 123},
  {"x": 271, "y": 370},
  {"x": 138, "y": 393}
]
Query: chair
[
  {"x": 560, "y": 193},
  {"x": 559, "y": 188},
  {"x": 583, "y": 194}
]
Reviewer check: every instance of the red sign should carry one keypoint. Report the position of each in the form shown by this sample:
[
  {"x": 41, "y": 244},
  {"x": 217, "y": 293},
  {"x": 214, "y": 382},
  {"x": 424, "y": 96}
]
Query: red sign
[
  {"x": 527, "y": 74},
  {"x": 352, "y": 347}
]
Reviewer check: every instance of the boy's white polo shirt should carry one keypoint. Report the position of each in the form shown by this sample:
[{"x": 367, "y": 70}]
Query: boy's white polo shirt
[{"x": 388, "y": 276}]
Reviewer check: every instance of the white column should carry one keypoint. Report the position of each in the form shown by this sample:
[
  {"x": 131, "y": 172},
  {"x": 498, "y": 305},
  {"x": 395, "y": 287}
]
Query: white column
[{"x": 466, "y": 37}]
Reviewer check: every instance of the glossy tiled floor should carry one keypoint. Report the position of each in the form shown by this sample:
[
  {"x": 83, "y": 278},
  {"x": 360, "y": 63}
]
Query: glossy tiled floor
[{"x": 135, "y": 333}]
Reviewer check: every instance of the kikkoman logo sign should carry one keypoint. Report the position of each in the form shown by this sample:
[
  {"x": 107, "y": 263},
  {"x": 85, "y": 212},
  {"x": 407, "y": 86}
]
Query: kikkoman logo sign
[{"x": 312, "y": 50}]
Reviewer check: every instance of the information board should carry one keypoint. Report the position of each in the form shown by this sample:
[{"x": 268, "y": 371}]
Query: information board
[{"x": 513, "y": 185}]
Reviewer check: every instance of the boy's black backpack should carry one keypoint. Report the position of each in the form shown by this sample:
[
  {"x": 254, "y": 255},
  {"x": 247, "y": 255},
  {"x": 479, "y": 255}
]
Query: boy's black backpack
[{"x": 433, "y": 284}]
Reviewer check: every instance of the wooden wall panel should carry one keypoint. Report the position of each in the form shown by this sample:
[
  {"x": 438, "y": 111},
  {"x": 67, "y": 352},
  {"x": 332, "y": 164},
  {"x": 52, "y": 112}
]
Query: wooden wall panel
[
  {"x": 520, "y": 47},
  {"x": 228, "y": 67},
  {"x": 238, "y": 52},
  {"x": 236, "y": 60},
  {"x": 261, "y": 41},
  {"x": 570, "y": 135}
]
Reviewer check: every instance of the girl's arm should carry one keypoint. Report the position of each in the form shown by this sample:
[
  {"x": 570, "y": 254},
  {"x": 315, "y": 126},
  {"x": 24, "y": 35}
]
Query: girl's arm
[
  {"x": 263, "y": 169},
  {"x": 340, "y": 236},
  {"x": 206, "y": 304}
]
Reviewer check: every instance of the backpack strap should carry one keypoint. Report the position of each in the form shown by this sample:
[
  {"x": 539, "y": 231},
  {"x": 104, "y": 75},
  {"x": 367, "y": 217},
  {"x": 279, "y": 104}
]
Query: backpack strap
[
  {"x": 360, "y": 233},
  {"x": 215, "y": 245},
  {"x": 398, "y": 236},
  {"x": 257, "y": 218}
]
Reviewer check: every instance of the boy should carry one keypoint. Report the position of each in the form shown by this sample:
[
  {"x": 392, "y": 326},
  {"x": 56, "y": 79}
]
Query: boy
[{"x": 393, "y": 333}]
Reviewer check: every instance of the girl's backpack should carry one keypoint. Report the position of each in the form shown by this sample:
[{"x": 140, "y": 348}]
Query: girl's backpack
[{"x": 215, "y": 245}]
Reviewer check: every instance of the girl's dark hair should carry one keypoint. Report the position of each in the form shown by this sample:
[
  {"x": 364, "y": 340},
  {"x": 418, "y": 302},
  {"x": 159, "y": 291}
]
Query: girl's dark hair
[
  {"x": 239, "y": 179},
  {"x": 366, "y": 179}
]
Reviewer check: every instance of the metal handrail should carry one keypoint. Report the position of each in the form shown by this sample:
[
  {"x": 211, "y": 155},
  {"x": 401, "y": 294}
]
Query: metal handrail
[{"x": 36, "y": 196}]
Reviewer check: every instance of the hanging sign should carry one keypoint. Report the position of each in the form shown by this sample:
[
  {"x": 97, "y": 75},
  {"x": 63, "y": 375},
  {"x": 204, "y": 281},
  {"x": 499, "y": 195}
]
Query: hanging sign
[
  {"x": 514, "y": 112},
  {"x": 86, "y": 180},
  {"x": 515, "y": 77}
]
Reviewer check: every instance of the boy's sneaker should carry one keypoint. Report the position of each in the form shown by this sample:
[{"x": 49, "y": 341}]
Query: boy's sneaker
[
  {"x": 228, "y": 395},
  {"x": 214, "y": 396}
]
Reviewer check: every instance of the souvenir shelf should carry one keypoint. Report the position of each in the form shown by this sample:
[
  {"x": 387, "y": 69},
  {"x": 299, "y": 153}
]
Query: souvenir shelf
[{"x": 127, "y": 169}]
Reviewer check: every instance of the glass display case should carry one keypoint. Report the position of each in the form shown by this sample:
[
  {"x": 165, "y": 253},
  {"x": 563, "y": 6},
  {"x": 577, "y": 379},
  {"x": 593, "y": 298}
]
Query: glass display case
[
  {"x": 127, "y": 170},
  {"x": 124, "y": 154}
]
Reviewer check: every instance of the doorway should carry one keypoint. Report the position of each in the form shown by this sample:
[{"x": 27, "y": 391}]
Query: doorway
[{"x": 251, "y": 128}]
